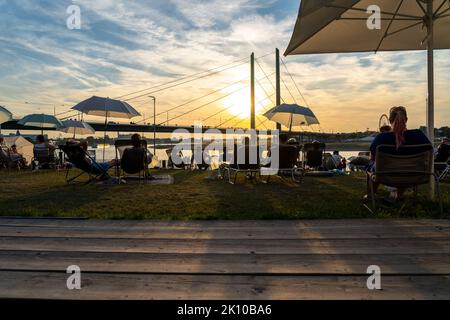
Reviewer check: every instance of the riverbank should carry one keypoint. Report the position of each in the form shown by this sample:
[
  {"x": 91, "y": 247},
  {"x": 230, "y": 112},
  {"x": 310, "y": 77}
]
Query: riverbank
[
  {"x": 348, "y": 146},
  {"x": 193, "y": 197}
]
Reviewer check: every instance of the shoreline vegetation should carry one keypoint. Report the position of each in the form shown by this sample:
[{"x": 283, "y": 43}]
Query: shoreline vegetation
[
  {"x": 192, "y": 197},
  {"x": 347, "y": 146}
]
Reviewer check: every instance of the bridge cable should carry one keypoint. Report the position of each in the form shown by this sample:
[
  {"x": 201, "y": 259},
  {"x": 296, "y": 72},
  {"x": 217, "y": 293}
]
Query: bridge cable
[
  {"x": 193, "y": 100},
  {"x": 184, "y": 82},
  {"x": 190, "y": 76},
  {"x": 273, "y": 86},
  {"x": 295, "y": 84}
]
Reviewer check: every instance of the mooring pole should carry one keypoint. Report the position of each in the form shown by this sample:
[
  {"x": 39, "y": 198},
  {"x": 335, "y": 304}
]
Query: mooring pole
[
  {"x": 252, "y": 92},
  {"x": 278, "y": 81}
]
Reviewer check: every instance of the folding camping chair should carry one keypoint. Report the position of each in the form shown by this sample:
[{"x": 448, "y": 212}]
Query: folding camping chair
[
  {"x": 288, "y": 164},
  {"x": 313, "y": 155},
  {"x": 235, "y": 168},
  {"x": 8, "y": 161},
  {"x": 406, "y": 167},
  {"x": 133, "y": 161},
  {"x": 45, "y": 158},
  {"x": 5, "y": 159},
  {"x": 442, "y": 169},
  {"x": 82, "y": 160}
]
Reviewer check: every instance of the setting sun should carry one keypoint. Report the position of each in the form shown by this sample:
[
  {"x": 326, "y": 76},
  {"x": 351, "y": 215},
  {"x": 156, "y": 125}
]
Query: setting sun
[{"x": 238, "y": 103}]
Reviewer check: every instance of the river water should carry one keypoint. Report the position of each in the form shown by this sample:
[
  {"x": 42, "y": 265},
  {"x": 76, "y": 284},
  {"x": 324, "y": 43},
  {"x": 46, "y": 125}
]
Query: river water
[{"x": 161, "y": 154}]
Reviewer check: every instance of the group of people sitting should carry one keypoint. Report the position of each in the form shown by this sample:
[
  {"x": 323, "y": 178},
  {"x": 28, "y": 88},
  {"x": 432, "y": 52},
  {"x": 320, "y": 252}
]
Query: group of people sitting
[
  {"x": 395, "y": 134},
  {"x": 10, "y": 158},
  {"x": 45, "y": 156},
  {"x": 136, "y": 151},
  {"x": 43, "y": 152}
]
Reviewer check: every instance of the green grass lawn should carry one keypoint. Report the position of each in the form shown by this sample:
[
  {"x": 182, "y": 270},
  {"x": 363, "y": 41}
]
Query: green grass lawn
[{"x": 46, "y": 194}]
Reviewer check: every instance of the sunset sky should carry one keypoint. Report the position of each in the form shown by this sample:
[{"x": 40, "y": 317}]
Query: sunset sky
[{"x": 125, "y": 46}]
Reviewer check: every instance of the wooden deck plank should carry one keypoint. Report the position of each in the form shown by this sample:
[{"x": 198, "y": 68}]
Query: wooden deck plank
[
  {"x": 249, "y": 246},
  {"x": 244, "y": 224},
  {"x": 225, "y": 263},
  {"x": 226, "y": 233},
  {"x": 320, "y": 259},
  {"x": 46, "y": 285}
]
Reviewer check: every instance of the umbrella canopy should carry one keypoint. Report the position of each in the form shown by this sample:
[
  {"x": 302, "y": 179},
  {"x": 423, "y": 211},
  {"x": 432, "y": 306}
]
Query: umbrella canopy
[
  {"x": 41, "y": 121},
  {"x": 106, "y": 107},
  {"x": 77, "y": 127},
  {"x": 5, "y": 115},
  {"x": 291, "y": 115},
  {"x": 335, "y": 26}
]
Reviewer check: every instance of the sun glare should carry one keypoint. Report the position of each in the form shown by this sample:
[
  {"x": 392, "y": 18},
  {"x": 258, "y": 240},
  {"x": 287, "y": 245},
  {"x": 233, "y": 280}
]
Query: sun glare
[{"x": 238, "y": 103}]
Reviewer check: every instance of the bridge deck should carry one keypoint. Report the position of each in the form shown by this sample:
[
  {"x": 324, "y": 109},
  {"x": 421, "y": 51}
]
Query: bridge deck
[{"x": 320, "y": 259}]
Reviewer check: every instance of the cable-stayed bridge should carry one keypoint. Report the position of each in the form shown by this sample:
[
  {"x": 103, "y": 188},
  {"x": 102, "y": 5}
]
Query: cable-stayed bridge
[{"x": 275, "y": 87}]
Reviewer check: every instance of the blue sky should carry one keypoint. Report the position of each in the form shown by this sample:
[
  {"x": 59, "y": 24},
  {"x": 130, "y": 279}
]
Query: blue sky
[{"x": 124, "y": 46}]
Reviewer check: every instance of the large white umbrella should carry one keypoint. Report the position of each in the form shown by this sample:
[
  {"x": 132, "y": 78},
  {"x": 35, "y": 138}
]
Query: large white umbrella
[
  {"x": 107, "y": 108},
  {"x": 43, "y": 121},
  {"x": 77, "y": 127},
  {"x": 335, "y": 26},
  {"x": 292, "y": 115},
  {"x": 5, "y": 116}
]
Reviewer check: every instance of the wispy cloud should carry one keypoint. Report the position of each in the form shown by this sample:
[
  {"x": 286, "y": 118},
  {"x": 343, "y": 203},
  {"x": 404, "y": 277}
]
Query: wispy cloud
[{"x": 125, "y": 46}]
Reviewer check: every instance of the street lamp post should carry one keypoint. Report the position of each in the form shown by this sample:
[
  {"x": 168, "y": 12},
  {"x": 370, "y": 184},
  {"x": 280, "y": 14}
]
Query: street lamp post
[{"x": 154, "y": 124}]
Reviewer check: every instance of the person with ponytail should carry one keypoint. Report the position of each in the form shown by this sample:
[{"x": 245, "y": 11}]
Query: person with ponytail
[
  {"x": 398, "y": 119},
  {"x": 398, "y": 136}
]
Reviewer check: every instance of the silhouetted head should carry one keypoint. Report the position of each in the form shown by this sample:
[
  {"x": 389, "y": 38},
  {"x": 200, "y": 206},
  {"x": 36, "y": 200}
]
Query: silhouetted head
[
  {"x": 336, "y": 153},
  {"x": 283, "y": 137},
  {"x": 84, "y": 145},
  {"x": 136, "y": 140},
  {"x": 40, "y": 139}
]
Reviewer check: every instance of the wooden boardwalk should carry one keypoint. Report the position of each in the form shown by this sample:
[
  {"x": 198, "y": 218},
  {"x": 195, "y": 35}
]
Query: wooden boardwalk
[{"x": 319, "y": 259}]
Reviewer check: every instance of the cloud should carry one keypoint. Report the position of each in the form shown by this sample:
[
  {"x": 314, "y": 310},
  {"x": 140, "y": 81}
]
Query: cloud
[
  {"x": 126, "y": 46},
  {"x": 207, "y": 14}
]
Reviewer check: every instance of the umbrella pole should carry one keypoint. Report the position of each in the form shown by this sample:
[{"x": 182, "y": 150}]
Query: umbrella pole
[
  {"x": 430, "y": 66},
  {"x": 154, "y": 126},
  {"x": 290, "y": 124},
  {"x": 104, "y": 136}
]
